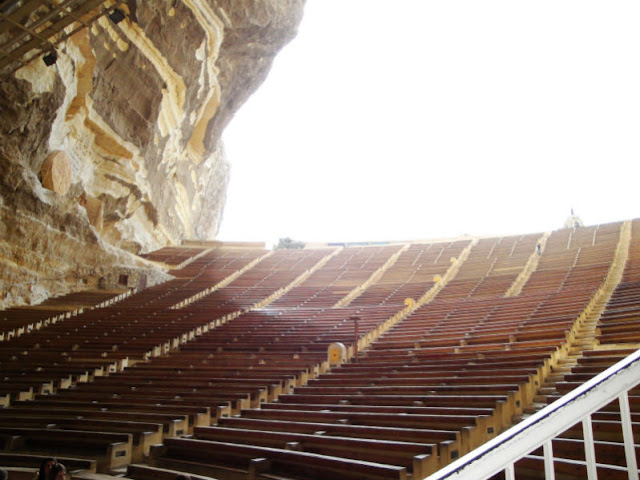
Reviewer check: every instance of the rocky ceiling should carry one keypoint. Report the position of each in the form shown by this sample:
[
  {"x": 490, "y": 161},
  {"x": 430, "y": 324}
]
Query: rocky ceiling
[{"x": 114, "y": 147}]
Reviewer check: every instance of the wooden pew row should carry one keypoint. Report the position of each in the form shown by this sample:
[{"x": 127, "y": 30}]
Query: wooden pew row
[
  {"x": 472, "y": 429},
  {"x": 217, "y": 393},
  {"x": 173, "y": 255},
  {"x": 197, "y": 406},
  {"x": 18, "y": 321},
  {"x": 526, "y": 384},
  {"x": 503, "y": 407},
  {"x": 255, "y": 460},
  {"x": 196, "y": 415},
  {"x": 22, "y": 465},
  {"x": 111, "y": 450},
  {"x": 20, "y": 384},
  {"x": 173, "y": 425},
  {"x": 143, "y": 434},
  {"x": 146, "y": 472},
  {"x": 289, "y": 375},
  {"x": 275, "y": 384},
  {"x": 419, "y": 458},
  {"x": 443, "y": 360}
]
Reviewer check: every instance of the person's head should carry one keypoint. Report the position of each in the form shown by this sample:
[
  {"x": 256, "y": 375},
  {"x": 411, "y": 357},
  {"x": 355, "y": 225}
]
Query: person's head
[
  {"x": 45, "y": 467},
  {"x": 183, "y": 477},
  {"x": 4, "y": 474},
  {"x": 57, "y": 472}
]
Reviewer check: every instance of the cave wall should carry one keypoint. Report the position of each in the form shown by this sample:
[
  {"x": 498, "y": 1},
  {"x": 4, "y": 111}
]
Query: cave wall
[{"x": 128, "y": 126}]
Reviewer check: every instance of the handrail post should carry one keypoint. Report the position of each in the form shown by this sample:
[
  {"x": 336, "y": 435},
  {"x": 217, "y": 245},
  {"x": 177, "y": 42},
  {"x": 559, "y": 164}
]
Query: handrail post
[
  {"x": 549, "y": 472},
  {"x": 627, "y": 434},
  {"x": 589, "y": 448},
  {"x": 509, "y": 472}
]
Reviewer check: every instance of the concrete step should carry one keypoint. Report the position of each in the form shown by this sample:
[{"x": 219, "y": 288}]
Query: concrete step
[
  {"x": 533, "y": 408},
  {"x": 547, "y": 390}
]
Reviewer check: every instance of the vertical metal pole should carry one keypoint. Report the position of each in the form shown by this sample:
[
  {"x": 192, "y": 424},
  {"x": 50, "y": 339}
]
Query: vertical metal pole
[
  {"x": 355, "y": 332},
  {"x": 549, "y": 472},
  {"x": 589, "y": 449},
  {"x": 627, "y": 433},
  {"x": 509, "y": 472}
]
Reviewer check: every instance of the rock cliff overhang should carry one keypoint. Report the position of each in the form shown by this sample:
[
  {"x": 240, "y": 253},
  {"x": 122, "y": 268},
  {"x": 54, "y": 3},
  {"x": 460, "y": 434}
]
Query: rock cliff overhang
[{"x": 116, "y": 147}]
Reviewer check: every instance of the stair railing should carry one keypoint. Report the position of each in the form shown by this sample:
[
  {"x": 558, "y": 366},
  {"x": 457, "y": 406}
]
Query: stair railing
[{"x": 502, "y": 452}]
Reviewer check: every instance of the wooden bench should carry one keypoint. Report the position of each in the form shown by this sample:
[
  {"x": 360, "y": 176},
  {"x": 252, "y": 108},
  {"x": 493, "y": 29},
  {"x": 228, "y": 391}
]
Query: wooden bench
[
  {"x": 493, "y": 420},
  {"x": 172, "y": 425},
  {"x": 110, "y": 450},
  {"x": 146, "y": 472},
  {"x": 473, "y": 429},
  {"x": 502, "y": 404},
  {"x": 526, "y": 384},
  {"x": 275, "y": 385},
  {"x": 198, "y": 403},
  {"x": 258, "y": 460},
  {"x": 74, "y": 465},
  {"x": 464, "y": 395},
  {"x": 181, "y": 365},
  {"x": 143, "y": 434},
  {"x": 448, "y": 442},
  {"x": 419, "y": 458},
  {"x": 219, "y": 406},
  {"x": 259, "y": 391},
  {"x": 198, "y": 416}
]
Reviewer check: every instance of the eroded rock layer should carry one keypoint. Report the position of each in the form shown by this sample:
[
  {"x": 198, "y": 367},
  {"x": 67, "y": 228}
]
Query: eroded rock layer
[{"x": 117, "y": 147}]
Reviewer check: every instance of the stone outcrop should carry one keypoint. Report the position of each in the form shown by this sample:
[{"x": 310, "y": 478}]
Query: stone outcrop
[{"x": 116, "y": 148}]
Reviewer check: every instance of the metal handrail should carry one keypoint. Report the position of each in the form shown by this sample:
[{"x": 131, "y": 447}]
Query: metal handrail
[{"x": 501, "y": 453}]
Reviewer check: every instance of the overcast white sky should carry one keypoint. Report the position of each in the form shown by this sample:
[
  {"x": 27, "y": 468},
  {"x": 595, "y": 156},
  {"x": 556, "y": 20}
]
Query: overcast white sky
[{"x": 419, "y": 119}]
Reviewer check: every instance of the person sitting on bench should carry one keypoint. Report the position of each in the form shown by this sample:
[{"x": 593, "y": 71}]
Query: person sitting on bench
[
  {"x": 45, "y": 468},
  {"x": 57, "y": 472}
]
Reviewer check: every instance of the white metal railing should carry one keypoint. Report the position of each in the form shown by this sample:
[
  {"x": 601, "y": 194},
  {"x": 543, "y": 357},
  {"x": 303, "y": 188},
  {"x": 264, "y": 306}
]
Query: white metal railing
[{"x": 501, "y": 453}]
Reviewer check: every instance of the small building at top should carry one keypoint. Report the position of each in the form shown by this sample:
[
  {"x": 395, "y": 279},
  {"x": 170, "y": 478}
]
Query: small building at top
[{"x": 573, "y": 221}]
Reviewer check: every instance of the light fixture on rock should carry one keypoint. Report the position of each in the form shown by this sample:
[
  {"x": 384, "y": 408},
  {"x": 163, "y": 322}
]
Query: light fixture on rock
[
  {"x": 116, "y": 16},
  {"x": 50, "y": 58}
]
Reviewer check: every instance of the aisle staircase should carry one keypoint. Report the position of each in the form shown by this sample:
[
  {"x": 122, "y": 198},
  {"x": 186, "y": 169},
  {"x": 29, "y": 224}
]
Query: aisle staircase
[
  {"x": 584, "y": 338},
  {"x": 530, "y": 441}
]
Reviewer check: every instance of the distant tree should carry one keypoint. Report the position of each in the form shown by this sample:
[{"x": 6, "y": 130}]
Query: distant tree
[{"x": 289, "y": 243}]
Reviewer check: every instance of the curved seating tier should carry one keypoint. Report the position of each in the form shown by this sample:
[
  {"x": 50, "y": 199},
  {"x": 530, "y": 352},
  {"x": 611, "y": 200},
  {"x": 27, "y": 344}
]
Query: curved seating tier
[{"x": 223, "y": 371}]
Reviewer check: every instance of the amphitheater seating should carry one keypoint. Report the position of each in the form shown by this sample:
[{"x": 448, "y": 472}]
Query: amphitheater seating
[
  {"x": 620, "y": 323},
  {"x": 412, "y": 275},
  {"x": 233, "y": 352},
  {"x": 607, "y": 430}
]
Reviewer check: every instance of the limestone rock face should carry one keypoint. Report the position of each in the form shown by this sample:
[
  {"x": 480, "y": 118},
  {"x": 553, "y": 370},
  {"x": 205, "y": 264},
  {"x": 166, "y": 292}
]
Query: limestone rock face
[{"x": 134, "y": 111}]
